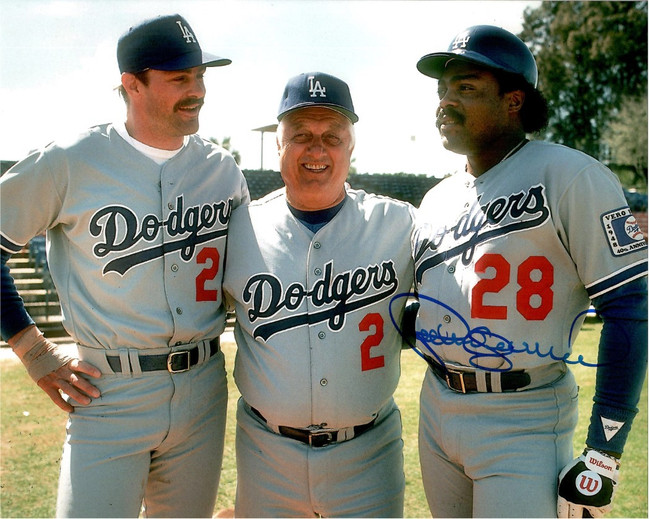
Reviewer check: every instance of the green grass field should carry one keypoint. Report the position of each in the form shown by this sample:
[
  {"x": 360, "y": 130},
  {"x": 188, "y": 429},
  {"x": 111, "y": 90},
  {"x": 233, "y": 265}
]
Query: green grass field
[{"x": 33, "y": 429}]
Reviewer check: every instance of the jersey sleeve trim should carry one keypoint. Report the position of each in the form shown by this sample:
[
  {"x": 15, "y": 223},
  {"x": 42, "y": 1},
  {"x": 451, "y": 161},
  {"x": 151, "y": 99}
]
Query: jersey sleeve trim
[
  {"x": 9, "y": 246},
  {"x": 618, "y": 278}
]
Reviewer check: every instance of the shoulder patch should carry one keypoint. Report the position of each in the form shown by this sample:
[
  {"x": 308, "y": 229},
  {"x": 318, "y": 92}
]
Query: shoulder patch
[{"x": 622, "y": 231}]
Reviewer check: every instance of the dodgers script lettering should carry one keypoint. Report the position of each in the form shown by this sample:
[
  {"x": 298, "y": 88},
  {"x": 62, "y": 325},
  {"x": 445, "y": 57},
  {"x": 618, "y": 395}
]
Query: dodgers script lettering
[
  {"x": 482, "y": 223},
  {"x": 119, "y": 229},
  {"x": 346, "y": 290}
]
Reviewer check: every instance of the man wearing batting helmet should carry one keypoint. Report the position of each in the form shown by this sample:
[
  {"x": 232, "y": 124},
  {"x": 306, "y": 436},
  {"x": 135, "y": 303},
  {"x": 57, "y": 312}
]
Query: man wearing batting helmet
[
  {"x": 509, "y": 255},
  {"x": 136, "y": 215},
  {"x": 311, "y": 270}
]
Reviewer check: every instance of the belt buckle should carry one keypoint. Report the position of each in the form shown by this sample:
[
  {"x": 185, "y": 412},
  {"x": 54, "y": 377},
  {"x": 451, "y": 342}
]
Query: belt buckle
[
  {"x": 460, "y": 374},
  {"x": 171, "y": 359},
  {"x": 324, "y": 437}
]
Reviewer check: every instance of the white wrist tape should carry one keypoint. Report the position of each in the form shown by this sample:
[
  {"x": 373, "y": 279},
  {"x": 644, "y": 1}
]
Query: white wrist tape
[{"x": 40, "y": 356}]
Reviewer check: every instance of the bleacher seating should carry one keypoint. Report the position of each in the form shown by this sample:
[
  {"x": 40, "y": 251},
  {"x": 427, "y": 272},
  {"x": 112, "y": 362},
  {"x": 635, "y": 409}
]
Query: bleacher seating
[
  {"x": 32, "y": 277},
  {"x": 38, "y": 258}
]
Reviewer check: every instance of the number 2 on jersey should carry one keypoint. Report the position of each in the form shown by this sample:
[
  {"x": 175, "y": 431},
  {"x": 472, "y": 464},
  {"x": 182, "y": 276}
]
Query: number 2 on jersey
[
  {"x": 534, "y": 298},
  {"x": 375, "y": 321},
  {"x": 208, "y": 255}
]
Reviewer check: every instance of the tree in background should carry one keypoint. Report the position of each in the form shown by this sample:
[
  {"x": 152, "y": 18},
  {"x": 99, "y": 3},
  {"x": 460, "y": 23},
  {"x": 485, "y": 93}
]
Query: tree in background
[
  {"x": 593, "y": 65},
  {"x": 227, "y": 145},
  {"x": 626, "y": 138}
]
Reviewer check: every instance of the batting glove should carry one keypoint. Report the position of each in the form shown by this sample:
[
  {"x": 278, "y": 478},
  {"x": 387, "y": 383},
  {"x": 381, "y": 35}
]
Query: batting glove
[{"x": 587, "y": 485}]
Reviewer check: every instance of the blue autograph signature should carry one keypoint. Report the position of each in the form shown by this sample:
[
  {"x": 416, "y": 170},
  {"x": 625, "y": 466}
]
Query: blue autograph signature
[{"x": 481, "y": 342}]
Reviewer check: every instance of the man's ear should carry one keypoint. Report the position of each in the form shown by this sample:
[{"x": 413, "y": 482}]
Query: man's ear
[
  {"x": 516, "y": 100},
  {"x": 130, "y": 83}
]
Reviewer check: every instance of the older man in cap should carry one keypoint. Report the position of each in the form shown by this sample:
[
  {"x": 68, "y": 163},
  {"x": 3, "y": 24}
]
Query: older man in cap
[
  {"x": 136, "y": 215},
  {"x": 312, "y": 269}
]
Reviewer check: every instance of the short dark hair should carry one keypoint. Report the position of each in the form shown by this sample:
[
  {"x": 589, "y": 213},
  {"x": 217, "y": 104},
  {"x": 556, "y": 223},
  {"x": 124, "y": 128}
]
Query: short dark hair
[{"x": 534, "y": 112}]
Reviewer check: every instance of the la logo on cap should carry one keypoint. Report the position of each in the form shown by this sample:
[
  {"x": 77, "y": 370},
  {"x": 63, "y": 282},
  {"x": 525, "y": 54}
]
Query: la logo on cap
[
  {"x": 187, "y": 34},
  {"x": 315, "y": 87},
  {"x": 311, "y": 89},
  {"x": 461, "y": 41}
]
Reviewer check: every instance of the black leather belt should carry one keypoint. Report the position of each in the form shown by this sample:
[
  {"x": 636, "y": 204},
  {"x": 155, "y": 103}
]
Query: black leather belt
[
  {"x": 175, "y": 362},
  {"x": 316, "y": 437},
  {"x": 465, "y": 381}
]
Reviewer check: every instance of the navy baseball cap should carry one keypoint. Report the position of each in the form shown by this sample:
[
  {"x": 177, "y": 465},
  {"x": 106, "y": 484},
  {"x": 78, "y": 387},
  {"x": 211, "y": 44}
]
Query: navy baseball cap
[
  {"x": 317, "y": 89},
  {"x": 163, "y": 43}
]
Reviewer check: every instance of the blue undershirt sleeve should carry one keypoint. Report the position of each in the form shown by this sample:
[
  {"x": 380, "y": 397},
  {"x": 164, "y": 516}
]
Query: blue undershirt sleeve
[
  {"x": 622, "y": 365},
  {"x": 13, "y": 316}
]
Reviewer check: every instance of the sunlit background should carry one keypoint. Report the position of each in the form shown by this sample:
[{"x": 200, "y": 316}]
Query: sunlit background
[{"x": 58, "y": 69}]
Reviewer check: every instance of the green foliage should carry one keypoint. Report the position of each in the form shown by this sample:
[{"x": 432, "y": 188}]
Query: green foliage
[{"x": 591, "y": 57}]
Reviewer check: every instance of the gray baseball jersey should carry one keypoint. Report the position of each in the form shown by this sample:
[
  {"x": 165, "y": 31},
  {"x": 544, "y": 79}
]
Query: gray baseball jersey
[
  {"x": 136, "y": 251},
  {"x": 122, "y": 229},
  {"x": 315, "y": 340},
  {"x": 507, "y": 262}
]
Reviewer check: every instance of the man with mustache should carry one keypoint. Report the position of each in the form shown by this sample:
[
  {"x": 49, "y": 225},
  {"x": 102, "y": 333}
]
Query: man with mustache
[
  {"x": 136, "y": 215},
  {"x": 509, "y": 256}
]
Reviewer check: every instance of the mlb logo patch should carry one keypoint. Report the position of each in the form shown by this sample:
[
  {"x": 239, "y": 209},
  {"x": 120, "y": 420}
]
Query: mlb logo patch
[{"x": 623, "y": 232}]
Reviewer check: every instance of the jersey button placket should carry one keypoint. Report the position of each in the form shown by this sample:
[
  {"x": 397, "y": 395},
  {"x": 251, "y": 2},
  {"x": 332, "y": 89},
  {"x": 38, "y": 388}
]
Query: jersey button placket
[
  {"x": 171, "y": 202},
  {"x": 318, "y": 333}
]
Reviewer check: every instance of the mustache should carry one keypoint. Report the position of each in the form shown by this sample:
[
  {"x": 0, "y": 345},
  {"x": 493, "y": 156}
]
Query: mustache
[
  {"x": 186, "y": 103},
  {"x": 450, "y": 113}
]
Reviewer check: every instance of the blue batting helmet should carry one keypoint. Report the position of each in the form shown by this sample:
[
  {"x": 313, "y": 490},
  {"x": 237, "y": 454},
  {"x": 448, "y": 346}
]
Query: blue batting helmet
[{"x": 488, "y": 46}]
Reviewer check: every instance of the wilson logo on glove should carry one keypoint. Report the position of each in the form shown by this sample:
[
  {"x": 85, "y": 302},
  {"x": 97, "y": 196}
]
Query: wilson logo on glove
[
  {"x": 598, "y": 461},
  {"x": 589, "y": 483},
  {"x": 586, "y": 486}
]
